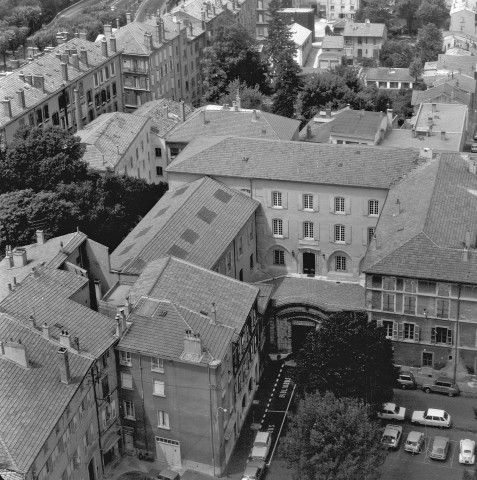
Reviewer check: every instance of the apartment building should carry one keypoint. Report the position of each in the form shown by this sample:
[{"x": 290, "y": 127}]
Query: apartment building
[
  {"x": 420, "y": 269},
  {"x": 462, "y": 17},
  {"x": 341, "y": 9},
  {"x": 364, "y": 40},
  {"x": 319, "y": 203},
  {"x": 67, "y": 86},
  {"x": 61, "y": 354},
  {"x": 189, "y": 363}
]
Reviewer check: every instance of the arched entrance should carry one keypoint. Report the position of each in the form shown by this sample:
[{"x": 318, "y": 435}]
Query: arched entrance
[
  {"x": 300, "y": 329},
  {"x": 309, "y": 263}
]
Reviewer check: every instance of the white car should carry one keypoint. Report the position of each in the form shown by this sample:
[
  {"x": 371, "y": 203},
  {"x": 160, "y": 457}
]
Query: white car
[
  {"x": 261, "y": 446},
  {"x": 432, "y": 417},
  {"x": 467, "y": 452},
  {"x": 414, "y": 442},
  {"x": 391, "y": 411},
  {"x": 392, "y": 436}
]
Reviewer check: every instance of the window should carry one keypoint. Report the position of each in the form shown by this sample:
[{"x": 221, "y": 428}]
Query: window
[
  {"x": 228, "y": 261},
  {"x": 371, "y": 231},
  {"x": 277, "y": 227},
  {"x": 106, "y": 73},
  {"x": 157, "y": 364},
  {"x": 339, "y": 233},
  {"x": 340, "y": 263},
  {"x": 277, "y": 199},
  {"x": 39, "y": 117},
  {"x": 250, "y": 231},
  {"x": 308, "y": 230},
  {"x": 126, "y": 380},
  {"x": 339, "y": 205},
  {"x": 159, "y": 171},
  {"x": 409, "y": 329},
  {"x": 441, "y": 335},
  {"x": 251, "y": 261},
  {"x": 129, "y": 410},
  {"x": 125, "y": 358},
  {"x": 409, "y": 305},
  {"x": 89, "y": 96},
  {"x": 308, "y": 202},
  {"x": 46, "y": 113},
  {"x": 113, "y": 69},
  {"x": 388, "y": 302},
  {"x": 442, "y": 308},
  {"x": 162, "y": 419},
  {"x": 240, "y": 245},
  {"x": 158, "y": 388},
  {"x": 101, "y": 77},
  {"x": 158, "y": 151},
  {"x": 389, "y": 283},
  {"x": 95, "y": 79},
  {"x": 388, "y": 328},
  {"x": 373, "y": 207},
  {"x": 278, "y": 257},
  {"x": 113, "y": 85}
]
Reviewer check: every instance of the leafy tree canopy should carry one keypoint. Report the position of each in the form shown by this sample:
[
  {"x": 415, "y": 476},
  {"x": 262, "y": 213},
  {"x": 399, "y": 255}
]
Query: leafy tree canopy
[
  {"x": 429, "y": 42},
  {"x": 433, "y": 11},
  {"x": 350, "y": 357},
  {"x": 395, "y": 53},
  {"x": 333, "y": 438},
  {"x": 249, "y": 97}
]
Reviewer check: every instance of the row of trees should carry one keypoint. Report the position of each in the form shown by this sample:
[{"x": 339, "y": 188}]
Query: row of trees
[{"x": 57, "y": 191}]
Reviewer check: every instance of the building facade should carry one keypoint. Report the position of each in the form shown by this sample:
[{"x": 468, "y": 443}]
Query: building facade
[
  {"x": 364, "y": 40},
  {"x": 341, "y": 9}
]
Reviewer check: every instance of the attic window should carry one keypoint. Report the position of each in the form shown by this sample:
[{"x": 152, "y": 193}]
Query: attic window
[
  {"x": 177, "y": 251},
  {"x": 206, "y": 215},
  {"x": 222, "y": 195}
]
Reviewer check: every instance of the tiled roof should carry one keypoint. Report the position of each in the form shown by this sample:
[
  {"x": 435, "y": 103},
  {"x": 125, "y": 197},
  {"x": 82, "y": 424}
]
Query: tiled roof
[
  {"x": 195, "y": 289},
  {"x": 332, "y": 41},
  {"x": 450, "y": 92},
  {"x": 389, "y": 74},
  {"x": 464, "y": 63},
  {"x": 36, "y": 254},
  {"x": 45, "y": 295},
  {"x": 464, "y": 82},
  {"x": 353, "y": 165},
  {"x": 184, "y": 224},
  {"x": 32, "y": 399},
  {"x": 194, "y": 8},
  {"x": 68, "y": 248},
  {"x": 155, "y": 110},
  {"x": 358, "y": 124},
  {"x": 108, "y": 137},
  {"x": 426, "y": 239},
  {"x": 49, "y": 66},
  {"x": 212, "y": 120},
  {"x": 364, "y": 30},
  {"x": 324, "y": 294},
  {"x": 299, "y": 33}
]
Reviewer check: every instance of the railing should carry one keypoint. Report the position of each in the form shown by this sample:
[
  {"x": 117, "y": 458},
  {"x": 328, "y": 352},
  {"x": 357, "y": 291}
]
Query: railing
[{"x": 135, "y": 69}]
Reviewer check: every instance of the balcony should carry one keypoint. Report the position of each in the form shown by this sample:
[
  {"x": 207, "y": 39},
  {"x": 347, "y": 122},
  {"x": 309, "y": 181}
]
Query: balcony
[{"x": 135, "y": 69}]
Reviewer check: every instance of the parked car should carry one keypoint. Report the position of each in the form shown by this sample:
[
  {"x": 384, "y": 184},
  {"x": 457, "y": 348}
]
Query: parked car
[
  {"x": 440, "y": 448},
  {"x": 432, "y": 417},
  {"x": 467, "y": 451},
  {"x": 254, "y": 470},
  {"x": 406, "y": 380},
  {"x": 442, "y": 385},
  {"x": 391, "y": 411},
  {"x": 414, "y": 442},
  {"x": 392, "y": 436},
  {"x": 261, "y": 446}
]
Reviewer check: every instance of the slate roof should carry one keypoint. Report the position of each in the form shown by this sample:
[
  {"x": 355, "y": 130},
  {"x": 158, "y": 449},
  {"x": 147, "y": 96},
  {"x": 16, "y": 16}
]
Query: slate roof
[
  {"x": 194, "y": 8},
  {"x": 388, "y": 74},
  {"x": 158, "y": 329},
  {"x": 324, "y": 294},
  {"x": 184, "y": 223},
  {"x": 155, "y": 110},
  {"x": 32, "y": 399},
  {"x": 464, "y": 63},
  {"x": 45, "y": 294},
  {"x": 68, "y": 248},
  {"x": 353, "y": 165},
  {"x": 426, "y": 240},
  {"x": 299, "y": 33},
  {"x": 213, "y": 120},
  {"x": 464, "y": 82},
  {"x": 49, "y": 66},
  {"x": 450, "y": 92},
  {"x": 108, "y": 137},
  {"x": 358, "y": 124},
  {"x": 195, "y": 288},
  {"x": 364, "y": 30},
  {"x": 332, "y": 41}
]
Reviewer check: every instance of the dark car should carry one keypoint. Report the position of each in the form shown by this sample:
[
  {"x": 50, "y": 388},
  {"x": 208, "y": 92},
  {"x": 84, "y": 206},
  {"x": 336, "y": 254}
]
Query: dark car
[
  {"x": 406, "y": 380},
  {"x": 442, "y": 385}
]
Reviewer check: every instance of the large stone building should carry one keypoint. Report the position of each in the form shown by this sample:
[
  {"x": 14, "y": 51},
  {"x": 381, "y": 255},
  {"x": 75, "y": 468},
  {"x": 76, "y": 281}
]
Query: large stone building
[
  {"x": 462, "y": 17},
  {"x": 340, "y": 9},
  {"x": 364, "y": 40}
]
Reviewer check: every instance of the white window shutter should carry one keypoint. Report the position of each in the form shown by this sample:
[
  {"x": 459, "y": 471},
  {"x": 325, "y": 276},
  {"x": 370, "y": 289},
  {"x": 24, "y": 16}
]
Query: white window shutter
[
  {"x": 285, "y": 228},
  {"x": 365, "y": 235},
  {"x": 316, "y": 203},
  {"x": 332, "y": 204},
  {"x": 348, "y": 234},
  {"x": 300, "y": 201},
  {"x": 285, "y": 199},
  {"x": 300, "y": 230},
  {"x": 416, "y": 333},
  {"x": 348, "y": 205}
]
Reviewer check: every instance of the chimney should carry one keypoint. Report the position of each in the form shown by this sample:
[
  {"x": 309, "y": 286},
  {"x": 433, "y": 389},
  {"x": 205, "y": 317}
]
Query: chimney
[
  {"x": 2, "y": 348},
  {"x": 84, "y": 56},
  {"x": 434, "y": 107},
  {"x": 328, "y": 113},
  {"x": 38, "y": 81},
  {"x": 398, "y": 208},
  {"x": 122, "y": 313},
  {"x": 108, "y": 30},
  {"x": 46, "y": 331},
  {"x": 40, "y": 237},
  {"x": 234, "y": 105},
  {"x": 21, "y": 98},
  {"x": 16, "y": 352},
  {"x": 128, "y": 17},
  {"x": 75, "y": 60},
  {"x": 21, "y": 76},
  {"x": 426, "y": 152},
  {"x": 202, "y": 114},
  {"x": 104, "y": 47},
  {"x": 158, "y": 31},
  {"x": 65, "y": 339},
  {"x": 32, "y": 321},
  {"x": 472, "y": 166},
  {"x": 112, "y": 44},
  {"x": 467, "y": 239},
  {"x": 182, "y": 111},
  {"x": 443, "y": 135},
  {"x": 15, "y": 63},
  {"x": 7, "y": 107},
  {"x": 64, "y": 365},
  {"x": 308, "y": 132},
  {"x": 19, "y": 257},
  {"x": 65, "y": 58},
  {"x": 29, "y": 79},
  {"x": 214, "y": 314},
  {"x": 64, "y": 71},
  {"x": 83, "y": 35},
  {"x": 78, "y": 113},
  {"x": 59, "y": 38},
  {"x": 213, "y": 10},
  {"x": 465, "y": 255},
  {"x": 373, "y": 244},
  {"x": 163, "y": 31},
  {"x": 119, "y": 325},
  {"x": 165, "y": 111},
  {"x": 97, "y": 290},
  {"x": 148, "y": 41},
  {"x": 117, "y": 23},
  {"x": 255, "y": 116},
  {"x": 192, "y": 344},
  {"x": 191, "y": 31}
]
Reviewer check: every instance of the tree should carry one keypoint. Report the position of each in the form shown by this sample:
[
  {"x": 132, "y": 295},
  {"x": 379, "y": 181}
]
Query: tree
[
  {"x": 468, "y": 476},
  {"x": 232, "y": 56},
  {"x": 429, "y": 42},
  {"x": 377, "y": 11},
  {"x": 350, "y": 357},
  {"x": 333, "y": 438},
  {"x": 44, "y": 38},
  {"x": 25, "y": 16},
  {"x": 416, "y": 68},
  {"x": 406, "y": 10},
  {"x": 371, "y": 99},
  {"x": 328, "y": 30},
  {"x": 280, "y": 50},
  {"x": 249, "y": 97},
  {"x": 397, "y": 54},
  {"x": 432, "y": 11}
]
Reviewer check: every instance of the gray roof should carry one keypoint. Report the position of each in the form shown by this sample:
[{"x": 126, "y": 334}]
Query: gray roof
[
  {"x": 332, "y": 41},
  {"x": 388, "y": 74},
  {"x": 444, "y": 91},
  {"x": 364, "y": 30},
  {"x": 353, "y": 165},
  {"x": 357, "y": 124},
  {"x": 426, "y": 240},
  {"x": 184, "y": 224}
]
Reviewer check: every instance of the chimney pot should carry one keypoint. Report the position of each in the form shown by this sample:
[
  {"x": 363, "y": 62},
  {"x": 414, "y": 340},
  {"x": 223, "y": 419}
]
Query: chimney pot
[
  {"x": 398, "y": 207},
  {"x": 128, "y": 18},
  {"x": 32, "y": 321},
  {"x": 40, "y": 237},
  {"x": 308, "y": 132},
  {"x": 46, "y": 330},
  {"x": 182, "y": 111}
]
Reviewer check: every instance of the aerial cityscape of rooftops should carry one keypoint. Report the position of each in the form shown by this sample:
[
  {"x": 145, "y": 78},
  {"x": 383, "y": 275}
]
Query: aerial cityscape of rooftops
[{"x": 238, "y": 239}]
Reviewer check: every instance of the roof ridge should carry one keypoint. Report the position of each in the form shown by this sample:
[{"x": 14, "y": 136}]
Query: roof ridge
[
  {"x": 431, "y": 200},
  {"x": 10, "y": 456},
  {"x": 141, "y": 45}
]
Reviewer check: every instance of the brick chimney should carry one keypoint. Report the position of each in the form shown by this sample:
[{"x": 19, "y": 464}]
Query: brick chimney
[
  {"x": 84, "y": 56},
  {"x": 75, "y": 60},
  {"x": 65, "y": 58},
  {"x": 104, "y": 47},
  {"x": 65, "y": 339},
  {"x": 16, "y": 352},
  {"x": 46, "y": 331},
  {"x": 7, "y": 107},
  {"x": 19, "y": 257},
  {"x": 128, "y": 17},
  {"x": 108, "y": 30},
  {"x": 192, "y": 344},
  {"x": 117, "y": 24},
  {"x": 112, "y": 44},
  {"x": 40, "y": 237},
  {"x": 59, "y": 38},
  {"x": 21, "y": 98},
  {"x": 97, "y": 290},
  {"x": 64, "y": 71},
  {"x": 64, "y": 365},
  {"x": 182, "y": 111},
  {"x": 78, "y": 113}
]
